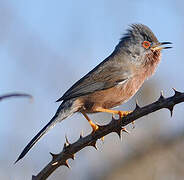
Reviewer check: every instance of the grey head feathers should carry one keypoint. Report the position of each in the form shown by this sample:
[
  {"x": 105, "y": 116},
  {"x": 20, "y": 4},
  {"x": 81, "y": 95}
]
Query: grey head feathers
[
  {"x": 139, "y": 32},
  {"x": 131, "y": 43}
]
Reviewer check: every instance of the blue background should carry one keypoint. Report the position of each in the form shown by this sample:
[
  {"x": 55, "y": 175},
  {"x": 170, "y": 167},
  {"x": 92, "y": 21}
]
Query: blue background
[{"x": 45, "y": 46}]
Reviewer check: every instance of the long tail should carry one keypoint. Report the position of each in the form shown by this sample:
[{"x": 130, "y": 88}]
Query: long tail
[{"x": 65, "y": 109}]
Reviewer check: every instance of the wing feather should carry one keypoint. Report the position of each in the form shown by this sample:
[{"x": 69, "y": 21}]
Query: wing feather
[{"x": 104, "y": 76}]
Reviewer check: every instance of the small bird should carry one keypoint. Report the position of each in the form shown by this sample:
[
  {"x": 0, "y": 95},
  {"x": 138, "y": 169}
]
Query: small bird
[{"x": 111, "y": 83}]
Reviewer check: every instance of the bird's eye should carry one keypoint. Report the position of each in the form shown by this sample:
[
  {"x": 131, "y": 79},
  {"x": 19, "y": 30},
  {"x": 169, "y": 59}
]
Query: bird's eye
[{"x": 146, "y": 44}]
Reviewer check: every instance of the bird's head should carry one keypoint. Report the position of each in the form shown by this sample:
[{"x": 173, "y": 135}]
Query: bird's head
[{"x": 141, "y": 45}]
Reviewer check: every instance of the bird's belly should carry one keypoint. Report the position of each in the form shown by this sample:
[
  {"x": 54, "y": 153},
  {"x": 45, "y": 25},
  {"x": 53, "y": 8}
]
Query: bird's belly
[{"x": 111, "y": 97}]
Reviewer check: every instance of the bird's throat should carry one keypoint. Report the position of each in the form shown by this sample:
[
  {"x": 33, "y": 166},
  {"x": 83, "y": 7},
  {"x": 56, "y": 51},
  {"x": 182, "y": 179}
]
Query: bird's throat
[{"x": 151, "y": 63}]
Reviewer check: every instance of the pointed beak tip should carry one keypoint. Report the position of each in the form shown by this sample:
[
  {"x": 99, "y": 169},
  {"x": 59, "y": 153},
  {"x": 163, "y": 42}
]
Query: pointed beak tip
[{"x": 163, "y": 43}]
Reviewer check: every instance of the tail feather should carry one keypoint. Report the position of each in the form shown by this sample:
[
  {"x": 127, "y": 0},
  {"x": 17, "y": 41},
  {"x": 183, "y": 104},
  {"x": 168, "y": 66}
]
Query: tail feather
[{"x": 64, "y": 110}]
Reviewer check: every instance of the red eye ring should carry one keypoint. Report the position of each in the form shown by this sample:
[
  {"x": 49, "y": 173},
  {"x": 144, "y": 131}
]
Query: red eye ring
[{"x": 146, "y": 44}]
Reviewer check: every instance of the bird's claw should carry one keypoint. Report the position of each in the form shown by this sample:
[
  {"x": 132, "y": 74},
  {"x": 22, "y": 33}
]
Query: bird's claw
[
  {"x": 94, "y": 126},
  {"x": 123, "y": 113}
]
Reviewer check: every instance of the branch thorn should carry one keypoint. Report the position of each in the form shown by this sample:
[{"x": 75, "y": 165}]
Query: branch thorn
[
  {"x": 54, "y": 163},
  {"x": 171, "y": 110},
  {"x": 66, "y": 164},
  {"x": 81, "y": 134},
  {"x": 72, "y": 156},
  {"x": 67, "y": 142},
  {"x": 125, "y": 130},
  {"x": 54, "y": 156},
  {"x": 93, "y": 144},
  {"x": 133, "y": 124},
  {"x": 136, "y": 105},
  {"x": 102, "y": 139},
  {"x": 176, "y": 93},
  {"x": 161, "y": 96},
  {"x": 118, "y": 131}
]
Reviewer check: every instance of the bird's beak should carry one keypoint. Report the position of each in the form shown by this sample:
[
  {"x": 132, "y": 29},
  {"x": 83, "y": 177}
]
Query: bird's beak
[{"x": 159, "y": 46}]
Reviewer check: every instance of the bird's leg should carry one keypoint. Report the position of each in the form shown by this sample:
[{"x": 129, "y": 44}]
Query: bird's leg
[
  {"x": 120, "y": 113},
  {"x": 93, "y": 125}
]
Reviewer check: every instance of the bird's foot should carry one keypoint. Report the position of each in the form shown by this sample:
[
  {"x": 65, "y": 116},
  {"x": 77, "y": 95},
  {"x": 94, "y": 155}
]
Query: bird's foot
[
  {"x": 123, "y": 113},
  {"x": 94, "y": 126}
]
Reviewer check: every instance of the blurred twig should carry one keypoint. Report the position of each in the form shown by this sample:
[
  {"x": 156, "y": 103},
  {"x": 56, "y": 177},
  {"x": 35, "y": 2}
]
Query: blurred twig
[
  {"x": 14, "y": 95},
  {"x": 114, "y": 126}
]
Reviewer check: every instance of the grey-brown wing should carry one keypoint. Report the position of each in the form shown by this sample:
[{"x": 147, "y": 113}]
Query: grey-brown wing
[{"x": 102, "y": 77}]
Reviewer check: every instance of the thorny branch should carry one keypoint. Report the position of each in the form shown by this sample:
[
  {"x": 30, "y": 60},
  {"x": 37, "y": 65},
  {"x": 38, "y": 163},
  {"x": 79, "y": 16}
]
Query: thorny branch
[
  {"x": 114, "y": 126},
  {"x": 14, "y": 95}
]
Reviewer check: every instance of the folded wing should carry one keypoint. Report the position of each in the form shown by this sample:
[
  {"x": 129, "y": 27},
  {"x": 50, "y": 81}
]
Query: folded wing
[{"x": 104, "y": 76}]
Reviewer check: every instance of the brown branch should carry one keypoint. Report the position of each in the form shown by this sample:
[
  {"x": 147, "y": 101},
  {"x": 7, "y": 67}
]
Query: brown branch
[
  {"x": 14, "y": 95},
  {"x": 114, "y": 126}
]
